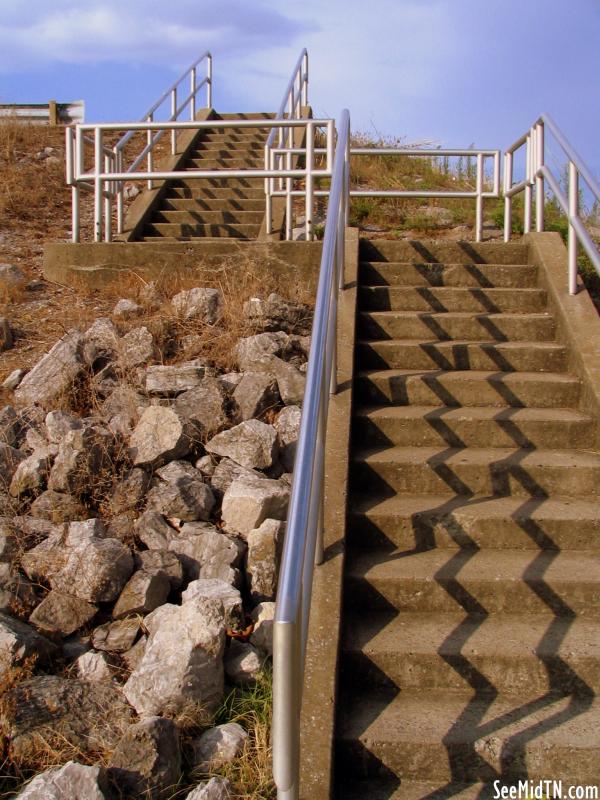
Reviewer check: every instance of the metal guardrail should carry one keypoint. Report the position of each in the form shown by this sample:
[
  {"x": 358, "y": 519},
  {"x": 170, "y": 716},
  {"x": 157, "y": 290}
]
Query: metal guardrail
[
  {"x": 537, "y": 173},
  {"x": 106, "y": 178},
  {"x": 51, "y": 113},
  {"x": 295, "y": 98},
  {"x": 479, "y": 193},
  {"x": 304, "y": 536}
]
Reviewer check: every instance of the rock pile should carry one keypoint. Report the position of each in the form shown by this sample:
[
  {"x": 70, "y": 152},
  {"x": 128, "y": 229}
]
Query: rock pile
[{"x": 139, "y": 572}]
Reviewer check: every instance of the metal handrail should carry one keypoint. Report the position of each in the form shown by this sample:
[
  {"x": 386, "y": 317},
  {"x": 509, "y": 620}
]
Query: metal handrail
[
  {"x": 479, "y": 193},
  {"x": 304, "y": 537},
  {"x": 537, "y": 173},
  {"x": 107, "y": 175},
  {"x": 295, "y": 98}
]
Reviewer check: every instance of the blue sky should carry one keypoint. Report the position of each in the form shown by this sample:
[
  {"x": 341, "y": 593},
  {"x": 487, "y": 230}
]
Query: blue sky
[{"x": 454, "y": 71}]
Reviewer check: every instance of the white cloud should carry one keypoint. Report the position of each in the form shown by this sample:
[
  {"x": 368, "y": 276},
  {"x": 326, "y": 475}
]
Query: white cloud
[{"x": 147, "y": 31}]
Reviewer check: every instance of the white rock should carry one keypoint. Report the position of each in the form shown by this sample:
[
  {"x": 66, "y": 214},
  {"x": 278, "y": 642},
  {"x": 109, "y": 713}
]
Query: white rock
[
  {"x": 221, "y": 592},
  {"x": 126, "y": 308},
  {"x": 31, "y": 474},
  {"x": 262, "y": 636},
  {"x": 249, "y": 501},
  {"x": 176, "y": 378},
  {"x": 252, "y": 348},
  {"x": 137, "y": 347},
  {"x": 19, "y": 641},
  {"x": 255, "y": 393},
  {"x": 243, "y": 663},
  {"x": 160, "y": 435},
  {"x": 100, "y": 341},
  {"x": 93, "y": 666},
  {"x": 199, "y": 303},
  {"x": 287, "y": 426},
  {"x": 214, "y": 789},
  {"x": 59, "y": 423},
  {"x": 14, "y": 379},
  {"x": 262, "y": 559},
  {"x": 252, "y": 444},
  {"x": 54, "y": 373},
  {"x": 188, "y": 499},
  {"x": 218, "y": 746},
  {"x": 183, "y": 660},
  {"x": 70, "y": 782},
  {"x": 206, "y": 552}
]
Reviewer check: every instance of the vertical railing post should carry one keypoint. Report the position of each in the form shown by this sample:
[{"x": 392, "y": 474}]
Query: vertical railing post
[
  {"x": 209, "y": 82},
  {"x": 150, "y": 157},
  {"x": 193, "y": 94},
  {"x": 573, "y": 213},
  {"x": 539, "y": 178},
  {"x": 173, "y": 118},
  {"x": 528, "y": 192},
  {"x": 286, "y": 705},
  {"x": 119, "y": 157},
  {"x": 310, "y": 144},
  {"x": 108, "y": 192},
  {"x": 98, "y": 155},
  {"x": 70, "y": 165},
  {"x": 305, "y": 80},
  {"x": 508, "y": 179},
  {"x": 479, "y": 199},
  {"x": 268, "y": 198}
]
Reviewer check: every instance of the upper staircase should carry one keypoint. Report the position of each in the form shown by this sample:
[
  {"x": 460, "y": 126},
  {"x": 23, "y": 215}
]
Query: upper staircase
[
  {"x": 471, "y": 631},
  {"x": 215, "y": 207}
]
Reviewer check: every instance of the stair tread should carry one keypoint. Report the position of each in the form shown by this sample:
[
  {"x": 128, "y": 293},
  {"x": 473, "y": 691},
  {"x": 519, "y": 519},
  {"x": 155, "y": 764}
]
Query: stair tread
[
  {"x": 463, "y": 342},
  {"x": 451, "y": 413},
  {"x": 482, "y": 566},
  {"x": 413, "y": 790},
  {"x": 459, "y": 375},
  {"x": 455, "y": 717},
  {"x": 477, "y": 506},
  {"x": 523, "y": 636},
  {"x": 484, "y": 456},
  {"x": 390, "y": 314}
]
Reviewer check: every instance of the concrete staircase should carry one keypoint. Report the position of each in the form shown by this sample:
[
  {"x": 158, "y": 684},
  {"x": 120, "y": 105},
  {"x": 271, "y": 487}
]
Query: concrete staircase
[
  {"x": 216, "y": 207},
  {"x": 471, "y": 630}
]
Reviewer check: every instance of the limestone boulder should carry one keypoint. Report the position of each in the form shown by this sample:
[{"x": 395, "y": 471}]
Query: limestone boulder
[
  {"x": 222, "y": 593},
  {"x": 215, "y": 789},
  {"x": 287, "y": 426},
  {"x": 154, "y": 531},
  {"x": 147, "y": 760},
  {"x": 176, "y": 378},
  {"x": 204, "y": 407},
  {"x": 61, "y": 614},
  {"x": 95, "y": 667},
  {"x": 262, "y": 636},
  {"x": 100, "y": 343},
  {"x": 226, "y": 472},
  {"x": 144, "y": 592},
  {"x": 251, "y": 444},
  {"x": 218, "y": 746},
  {"x": 263, "y": 557},
  {"x": 73, "y": 781},
  {"x": 90, "y": 716},
  {"x": 243, "y": 663},
  {"x": 199, "y": 303},
  {"x": 184, "y": 496},
  {"x": 136, "y": 348},
  {"x": 57, "y": 507},
  {"x": 19, "y": 641},
  {"x": 277, "y": 314},
  {"x": 116, "y": 637},
  {"x": 206, "y": 552},
  {"x": 161, "y": 435},
  {"x": 254, "y": 394},
  {"x": 54, "y": 374},
  {"x": 82, "y": 455},
  {"x": 248, "y": 502},
  {"x": 31, "y": 474},
  {"x": 183, "y": 660},
  {"x": 155, "y": 561},
  {"x": 126, "y": 308}
]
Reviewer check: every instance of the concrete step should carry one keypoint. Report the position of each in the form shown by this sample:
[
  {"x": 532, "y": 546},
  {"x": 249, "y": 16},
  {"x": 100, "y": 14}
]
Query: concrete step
[
  {"x": 540, "y": 653},
  {"x": 423, "y": 522},
  {"x": 394, "y": 788},
  {"x": 232, "y": 150},
  {"x": 221, "y": 137},
  {"x": 462, "y": 355},
  {"x": 454, "y": 737},
  {"x": 174, "y": 231},
  {"x": 389, "y": 273},
  {"x": 186, "y": 217},
  {"x": 200, "y": 191},
  {"x": 236, "y": 163},
  {"x": 417, "y": 426},
  {"x": 247, "y": 115},
  {"x": 466, "y": 471},
  {"x": 547, "y": 582},
  {"x": 200, "y": 204},
  {"x": 445, "y": 298},
  {"x": 438, "y": 252},
  {"x": 468, "y": 388},
  {"x": 220, "y": 183},
  {"x": 455, "y": 325}
]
